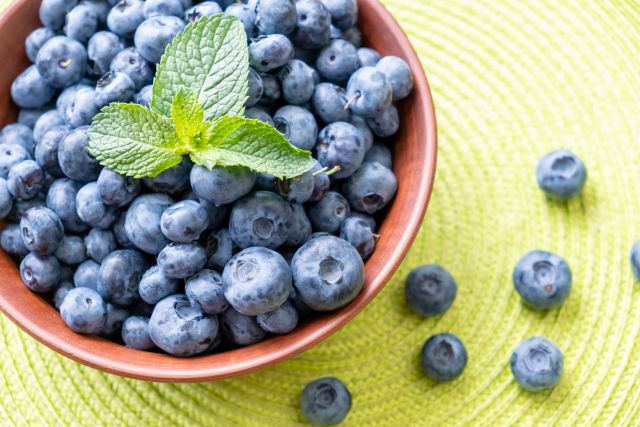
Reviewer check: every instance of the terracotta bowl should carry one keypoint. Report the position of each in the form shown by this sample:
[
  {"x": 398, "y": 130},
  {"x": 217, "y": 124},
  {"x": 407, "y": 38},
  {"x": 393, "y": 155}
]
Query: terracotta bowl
[{"x": 414, "y": 156}]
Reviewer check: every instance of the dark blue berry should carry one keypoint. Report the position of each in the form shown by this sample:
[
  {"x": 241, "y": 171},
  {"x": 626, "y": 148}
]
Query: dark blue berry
[
  {"x": 62, "y": 61},
  {"x": 542, "y": 279},
  {"x": 369, "y": 92},
  {"x": 267, "y": 53},
  {"x": 81, "y": 23},
  {"x": 35, "y": 40},
  {"x": 276, "y": 16},
  {"x": 282, "y": 320},
  {"x": 115, "y": 318},
  {"x": 370, "y": 188},
  {"x": 71, "y": 250},
  {"x": 561, "y": 175},
  {"x": 135, "y": 333},
  {"x": 399, "y": 75},
  {"x": 298, "y": 82},
  {"x": 300, "y": 230},
  {"x": 260, "y": 219},
  {"x": 25, "y": 180},
  {"x": 184, "y": 221},
  {"x": 313, "y": 28},
  {"x": 53, "y": 12},
  {"x": 537, "y": 364},
  {"x": 87, "y": 275},
  {"x": 99, "y": 243},
  {"x": 255, "y": 88},
  {"x": 142, "y": 222},
  {"x": 61, "y": 199},
  {"x": 219, "y": 248},
  {"x": 181, "y": 260},
  {"x": 103, "y": 46},
  {"x": 46, "y": 122},
  {"x": 125, "y": 17},
  {"x": 41, "y": 230},
  {"x": 240, "y": 329},
  {"x": 144, "y": 96},
  {"x": 430, "y": 290},
  {"x": 163, "y": 7},
  {"x": 154, "y": 34},
  {"x": 30, "y": 90},
  {"x": 60, "y": 293},
  {"x": 92, "y": 210},
  {"x": 40, "y": 273},
  {"x": 245, "y": 14},
  {"x": 329, "y": 213},
  {"x": 114, "y": 87},
  {"x": 221, "y": 185},
  {"x": 84, "y": 311},
  {"x": 172, "y": 180},
  {"x": 205, "y": 292},
  {"x": 6, "y": 199},
  {"x": 381, "y": 154},
  {"x": 338, "y": 61},
  {"x": 131, "y": 63},
  {"x": 75, "y": 159},
  {"x": 155, "y": 285},
  {"x": 271, "y": 91},
  {"x": 115, "y": 189},
  {"x": 46, "y": 152},
  {"x": 11, "y": 240},
  {"x": 443, "y": 357},
  {"x": 206, "y": 8},
  {"x": 385, "y": 124},
  {"x": 119, "y": 277},
  {"x": 298, "y": 125},
  {"x": 340, "y": 144},
  {"x": 368, "y": 57},
  {"x": 297, "y": 189},
  {"x": 17, "y": 134},
  {"x": 325, "y": 401},
  {"x": 359, "y": 234},
  {"x": 329, "y": 102}
]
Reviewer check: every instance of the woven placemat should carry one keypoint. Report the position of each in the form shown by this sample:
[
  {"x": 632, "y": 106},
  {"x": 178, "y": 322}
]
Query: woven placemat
[{"x": 511, "y": 80}]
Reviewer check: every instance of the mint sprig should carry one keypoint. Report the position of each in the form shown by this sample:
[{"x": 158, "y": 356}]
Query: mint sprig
[{"x": 198, "y": 94}]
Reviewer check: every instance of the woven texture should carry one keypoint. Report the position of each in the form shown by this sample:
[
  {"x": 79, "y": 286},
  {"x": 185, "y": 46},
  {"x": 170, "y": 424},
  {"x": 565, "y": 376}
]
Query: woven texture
[{"x": 511, "y": 80}]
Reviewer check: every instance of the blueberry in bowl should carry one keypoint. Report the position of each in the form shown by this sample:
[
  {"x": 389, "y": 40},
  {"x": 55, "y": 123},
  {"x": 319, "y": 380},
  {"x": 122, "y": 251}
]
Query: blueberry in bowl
[{"x": 174, "y": 230}]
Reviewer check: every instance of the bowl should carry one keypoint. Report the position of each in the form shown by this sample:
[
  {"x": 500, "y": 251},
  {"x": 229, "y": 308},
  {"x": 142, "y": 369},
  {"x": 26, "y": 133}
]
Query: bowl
[{"x": 414, "y": 156}]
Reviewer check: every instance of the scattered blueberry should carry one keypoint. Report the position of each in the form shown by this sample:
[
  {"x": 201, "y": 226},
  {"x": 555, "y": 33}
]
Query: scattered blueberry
[
  {"x": 430, "y": 290},
  {"x": 443, "y": 357},
  {"x": 561, "y": 175},
  {"x": 325, "y": 401},
  {"x": 542, "y": 279},
  {"x": 537, "y": 364}
]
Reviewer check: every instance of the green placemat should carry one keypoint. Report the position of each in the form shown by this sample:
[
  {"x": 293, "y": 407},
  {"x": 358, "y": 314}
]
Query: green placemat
[{"x": 511, "y": 80}]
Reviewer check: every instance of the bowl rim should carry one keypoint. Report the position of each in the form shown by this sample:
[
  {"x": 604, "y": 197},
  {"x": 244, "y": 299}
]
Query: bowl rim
[{"x": 97, "y": 352}]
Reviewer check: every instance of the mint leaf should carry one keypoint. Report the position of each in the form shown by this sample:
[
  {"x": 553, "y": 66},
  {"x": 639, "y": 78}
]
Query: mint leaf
[
  {"x": 237, "y": 141},
  {"x": 209, "y": 58},
  {"x": 187, "y": 115},
  {"x": 134, "y": 141}
]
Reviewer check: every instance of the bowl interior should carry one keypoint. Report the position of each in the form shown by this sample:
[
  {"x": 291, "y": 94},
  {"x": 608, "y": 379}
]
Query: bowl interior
[{"x": 414, "y": 150}]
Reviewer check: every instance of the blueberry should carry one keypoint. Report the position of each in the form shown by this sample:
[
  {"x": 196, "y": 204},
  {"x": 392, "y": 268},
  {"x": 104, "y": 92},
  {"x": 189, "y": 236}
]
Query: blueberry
[
  {"x": 222, "y": 185},
  {"x": 399, "y": 75},
  {"x": 35, "y": 40},
  {"x": 46, "y": 152},
  {"x": 81, "y": 23},
  {"x": 75, "y": 159},
  {"x": 181, "y": 260},
  {"x": 82, "y": 107},
  {"x": 329, "y": 213},
  {"x": 125, "y": 17},
  {"x": 92, "y": 210},
  {"x": 171, "y": 181},
  {"x": 62, "y": 61},
  {"x": 265, "y": 182},
  {"x": 53, "y": 12},
  {"x": 282, "y": 320},
  {"x": 155, "y": 285},
  {"x": 6, "y": 199},
  {"x": 359, "y": 234},
  {"x": 41, "y": 230},
  {"x": 61, "y": 292},
  {"x": 267, "y": 53},
  {"x": 114, "y": 87},
  {"x": 142, "y": 222},
  {"x": 368, "y": 57},
  {"x": 115, "y": 189},
  {"x": 260, "y": 219},
  {"x": 131, "y": 63},
  {"x": 430, "y": 290},
  {"x": 66, "y": 96},
  {"x": 297, "y": 189},
  {"x": 298, "y": 82},
  {"x": 71, "y": 250},
  {"x": 298, "y": 125},
  {"x": 144, "y": 96},
  {"x": 340, "y": 144},
  {"x": 537, "y": 364},
  {"x": 100, "y": 8},
  {"x": 542, "y": 279},
  {"x": 135, "y": 333},
  {"x": 61, "y": 199},
  {"x": 11, "y": 155},
  {"x": 634, "y": 258},
  {"x": 313, "y": 28},
  {"x": 17, "y": 134},
  {"x": 119, "y": 277},
  {"x": 219, "y": 248},
  {"x": 321, "y": 183},
  {"x": 154, "y": 34},
  {"x": 443, "y": 357},
  {"x": 163, "y": 7},
  {"x": 103, "y": 46},
  {"x": 381, "y": 154},
  {"x": 368, "y": 219},
  {"x": 300, "y": 230},
  {"x": 120, "y": 233},
  {"x": 25, "y": 180},
  {"x": 325, "y": 401},
  {"x": 328, "y": 273},
  {"x": 184, "y": 221},
  {"x": 205, "y": 292},
  {"x": 84, "y": 311},
  {"x": 367, "y": 135},
  {"x": 385, "y": 124},
  {"x": 180, "y": 329},
  {"x": 99, "y": 243},
  {"x": 47, "y": 121},
  {"x": 115, "y": 318},
  {"x": 271, "y": 91},
  {"x": 30, "y": 90},
  {"x": 240, "y": 329},
  {"x": 245, "y": 14},
  {"x": 217, "y": 214},
  {"x": 256, "y": 280},
  {"x": 87, "y": 274},
  {"x": 353, "y": 35},
  {"x": 561, "y": 175},
  {"x": 338, "y": 61},
  {"x": 370, "y": 188},
  {"x": 369, "y": 92},
  {"x": 276, "y": 16},
  {"x": 255, "y": 88},
  {"x": 40, "y": 273},
  {"x": 11, "y": 240},
  {"x": 206, "y": 8},
  {"x": 28, "y": 117},
  {"x": 329, "y": 102},
  {"x": 20, "y": 207}
]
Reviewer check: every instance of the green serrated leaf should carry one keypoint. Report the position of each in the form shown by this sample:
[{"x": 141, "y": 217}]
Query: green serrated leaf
[
  {"x": 209, "y": 58},
  {"x": 237, "y": 141},
  {"x": 188, "y": 115},
  {"x": 134, "y": 141}
]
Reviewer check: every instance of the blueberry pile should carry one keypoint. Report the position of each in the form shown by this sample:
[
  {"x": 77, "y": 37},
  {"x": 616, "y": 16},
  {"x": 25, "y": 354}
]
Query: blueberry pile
[{"x": 195, "y": 260}]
